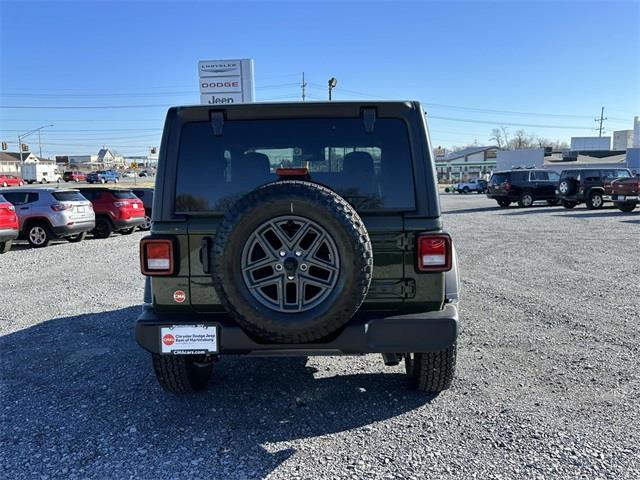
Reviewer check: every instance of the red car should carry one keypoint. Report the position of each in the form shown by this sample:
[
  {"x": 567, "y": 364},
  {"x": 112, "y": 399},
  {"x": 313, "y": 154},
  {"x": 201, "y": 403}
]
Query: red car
[
  {"x": 9, "y": 227},
  {"x": 74, "y": 176},
  {"x": 117, "y": 210},
  {"x": 10, "y": 181}
]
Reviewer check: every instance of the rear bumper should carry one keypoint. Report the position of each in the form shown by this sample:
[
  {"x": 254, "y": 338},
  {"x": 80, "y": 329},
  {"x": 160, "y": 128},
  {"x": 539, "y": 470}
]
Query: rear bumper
[
  {"x": 78, "y": 227},
  {"x": 131, "y": 222},
  {"x": 7, "y": 234},
  {"x": 418, "y": 332},
  {"x": 621, "y": 198},
  {"x": 501, "y": 196}
]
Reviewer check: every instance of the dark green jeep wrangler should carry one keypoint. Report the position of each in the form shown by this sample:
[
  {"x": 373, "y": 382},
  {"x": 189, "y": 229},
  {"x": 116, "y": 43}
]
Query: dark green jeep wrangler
[{"x": 298, "y": 229}]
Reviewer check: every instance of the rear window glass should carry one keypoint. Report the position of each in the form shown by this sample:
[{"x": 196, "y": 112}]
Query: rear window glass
[
  {"x": 68, "y": 197},
  {"x": 498, "y": 178},
  {"x": 370, "y": 170},
  {"x": 123, "y": 194}
]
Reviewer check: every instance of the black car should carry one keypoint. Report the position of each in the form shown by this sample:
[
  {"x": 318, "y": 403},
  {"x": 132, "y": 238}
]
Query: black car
[
  {"x": 146, "y": 195},
  {"x": 523, "y": 186},
  {"x": 587, "y": 186}
]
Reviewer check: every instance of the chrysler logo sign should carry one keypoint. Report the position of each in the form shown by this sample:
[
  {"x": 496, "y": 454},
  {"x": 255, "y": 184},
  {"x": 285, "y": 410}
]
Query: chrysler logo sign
[{"x": 225, "y": 81}]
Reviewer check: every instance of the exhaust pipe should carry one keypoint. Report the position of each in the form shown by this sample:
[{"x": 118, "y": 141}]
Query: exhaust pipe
[{"x": 391, "y": 359}]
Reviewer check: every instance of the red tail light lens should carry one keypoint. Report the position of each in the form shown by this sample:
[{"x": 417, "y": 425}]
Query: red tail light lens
[
  {"x": 434, "y": 252},
  {"x": 59, "y": 207},
  {"x": 156, "y": 256}
]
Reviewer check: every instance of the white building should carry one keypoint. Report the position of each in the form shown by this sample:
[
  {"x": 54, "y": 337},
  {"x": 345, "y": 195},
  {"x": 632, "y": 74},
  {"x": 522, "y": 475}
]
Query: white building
[
  {"x": 622, "y": 139},
  {"x": 590, "y": 143}
]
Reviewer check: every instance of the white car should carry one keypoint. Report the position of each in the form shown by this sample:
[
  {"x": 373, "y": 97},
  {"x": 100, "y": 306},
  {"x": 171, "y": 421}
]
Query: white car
[{"x": 128, "y": 175}]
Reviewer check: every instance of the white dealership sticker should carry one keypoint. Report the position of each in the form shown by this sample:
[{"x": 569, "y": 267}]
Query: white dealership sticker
[{"x": 189, "y": 339}]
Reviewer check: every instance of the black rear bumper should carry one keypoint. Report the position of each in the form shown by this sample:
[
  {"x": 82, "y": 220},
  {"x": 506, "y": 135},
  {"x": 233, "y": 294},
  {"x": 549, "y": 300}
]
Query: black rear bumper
[{"x": 418, "y": 332}]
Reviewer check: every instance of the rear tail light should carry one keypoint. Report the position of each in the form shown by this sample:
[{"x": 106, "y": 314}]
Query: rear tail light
[
  {"x": 9, "y": 207},
  {"x": 434, "y": 252},
  {"x": 59, "y": 207},
  {"x": 121, "y": 204},
  {"x": 157, "y": 256}
]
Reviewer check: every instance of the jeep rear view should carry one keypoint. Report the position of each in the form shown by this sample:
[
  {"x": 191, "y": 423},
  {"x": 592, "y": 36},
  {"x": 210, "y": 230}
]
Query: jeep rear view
[{"x": 298, "y": 229}]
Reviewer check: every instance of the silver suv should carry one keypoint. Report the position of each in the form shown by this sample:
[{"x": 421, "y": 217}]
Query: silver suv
[{"x": 48, "y": 213}]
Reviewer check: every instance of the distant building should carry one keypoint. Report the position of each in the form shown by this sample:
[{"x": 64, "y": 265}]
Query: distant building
[
  {"x": 104, "y": 159},
  {"x": 10, "y": 161},
  {"x": 470, "y": 162},
  {"x": 622, "y": 139},
  {"x": 579, "y": 144}
]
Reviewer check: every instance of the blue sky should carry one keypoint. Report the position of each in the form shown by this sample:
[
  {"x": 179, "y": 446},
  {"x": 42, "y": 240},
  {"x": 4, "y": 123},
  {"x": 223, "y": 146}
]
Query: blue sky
[{"x": 556, "y": 63}]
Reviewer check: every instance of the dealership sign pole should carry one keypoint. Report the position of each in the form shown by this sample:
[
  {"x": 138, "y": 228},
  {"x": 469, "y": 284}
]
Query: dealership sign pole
[{"x": 226, "y": 81}]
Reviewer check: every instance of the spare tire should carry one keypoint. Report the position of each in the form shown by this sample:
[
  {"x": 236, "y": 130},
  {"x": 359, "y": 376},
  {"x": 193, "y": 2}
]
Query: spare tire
[
  {"x": 567, "y": 187},
  {"x": 291, "y": 262}
]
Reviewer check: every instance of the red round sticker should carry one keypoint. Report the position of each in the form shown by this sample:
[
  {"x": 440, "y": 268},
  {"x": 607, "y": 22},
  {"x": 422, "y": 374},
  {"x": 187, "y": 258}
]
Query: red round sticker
[
  {"x": 179, "y": 296},
  {"x": 168, "y": 339}
]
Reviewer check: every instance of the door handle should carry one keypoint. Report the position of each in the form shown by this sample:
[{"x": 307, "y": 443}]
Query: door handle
[
  {"x": 205, "y": 254},
  {"x": 24, "y": 208}
]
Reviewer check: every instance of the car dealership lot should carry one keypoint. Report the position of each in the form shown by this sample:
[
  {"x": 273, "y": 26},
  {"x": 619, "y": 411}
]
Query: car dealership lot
[{"x": 547, "y": 382}]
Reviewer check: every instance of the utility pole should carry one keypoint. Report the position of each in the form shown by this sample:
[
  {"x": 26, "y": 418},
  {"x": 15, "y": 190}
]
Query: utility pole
[
  {"x": 40, "y": 143},
  {"x": 601, "y": 119},
  {"x": 304, "y": 88}
]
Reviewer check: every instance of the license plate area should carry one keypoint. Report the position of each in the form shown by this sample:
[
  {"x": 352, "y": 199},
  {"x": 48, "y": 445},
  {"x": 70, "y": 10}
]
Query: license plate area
[
  {"x": 189, "y": 339},
  {"x": 621, "y": 198}
]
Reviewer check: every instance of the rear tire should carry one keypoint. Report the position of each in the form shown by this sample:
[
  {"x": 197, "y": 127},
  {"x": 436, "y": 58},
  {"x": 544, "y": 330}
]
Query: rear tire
[
  {"x": 526, "y": 200},
  {"x": 128, "y": 231},
  {"x": 180, "y": 373},
  {"x": 627, "y": 206},
  {"x": 77, "y": 238},
  {"x": 594, "y": 201},
  {"x": 431, "y": 372},
  {"x": 5, "y": 246},
  {"x": 103, "y": 228},
  {"x": 465, "y": 190}
]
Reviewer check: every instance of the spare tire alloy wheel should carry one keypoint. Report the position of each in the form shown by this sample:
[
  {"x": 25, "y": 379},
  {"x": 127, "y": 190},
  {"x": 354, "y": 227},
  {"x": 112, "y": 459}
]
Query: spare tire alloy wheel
[
  {"x": 564, "y": 187},
  {"x": 292, "y": 262}
]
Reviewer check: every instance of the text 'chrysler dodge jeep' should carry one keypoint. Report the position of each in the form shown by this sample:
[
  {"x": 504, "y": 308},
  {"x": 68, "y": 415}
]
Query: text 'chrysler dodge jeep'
[{"x": 298, "y": 229}]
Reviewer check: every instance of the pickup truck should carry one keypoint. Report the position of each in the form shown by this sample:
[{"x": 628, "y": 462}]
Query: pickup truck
[
  {"x": 103, "y": 176},
  {"x": 623, "y": 192},
  {"x": 474, "y": 185}
]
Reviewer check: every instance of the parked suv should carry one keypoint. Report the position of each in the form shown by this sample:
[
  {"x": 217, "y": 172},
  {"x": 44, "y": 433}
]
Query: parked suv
[
  {"x": 117, "y": 210},
  {"x": 49, "y": 213},
  {"x": 146, "y": 195},
  {"x": 587, "y": 186},
  {"x": 9, "y": 226},
  {"x": 474, "y": 185},
  {"x": 74, "y": 176},
  {"x": 103, "y": 176},
  {"x": 524, "y": 186},
  {"x": 317, "y": 229}
]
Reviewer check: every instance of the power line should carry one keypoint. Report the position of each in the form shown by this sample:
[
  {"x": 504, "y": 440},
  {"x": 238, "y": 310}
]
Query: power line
[{"x": 499, "y": 123}]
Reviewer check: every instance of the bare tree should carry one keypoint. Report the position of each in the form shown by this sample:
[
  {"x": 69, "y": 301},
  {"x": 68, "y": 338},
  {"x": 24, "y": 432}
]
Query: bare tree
[{"x": 496, "y": 136}]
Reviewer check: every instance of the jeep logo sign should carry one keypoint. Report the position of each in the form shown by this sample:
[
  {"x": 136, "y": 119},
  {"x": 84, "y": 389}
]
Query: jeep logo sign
[{"x": 226, "y": 81}]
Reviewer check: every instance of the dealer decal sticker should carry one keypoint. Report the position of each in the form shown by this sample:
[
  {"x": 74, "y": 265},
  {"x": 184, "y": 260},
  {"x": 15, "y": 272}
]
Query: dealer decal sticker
[{"x": 179, "y": 296}]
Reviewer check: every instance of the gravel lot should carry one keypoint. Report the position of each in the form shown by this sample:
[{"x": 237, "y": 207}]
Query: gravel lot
[{"x": 547, "y": 383}]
